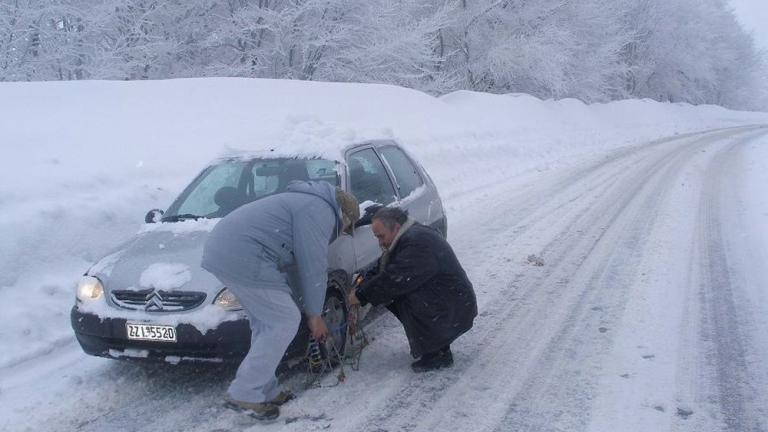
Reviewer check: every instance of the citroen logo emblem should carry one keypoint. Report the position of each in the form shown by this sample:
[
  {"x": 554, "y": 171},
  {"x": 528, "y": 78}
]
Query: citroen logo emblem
[{"x": 154, "y": 303}]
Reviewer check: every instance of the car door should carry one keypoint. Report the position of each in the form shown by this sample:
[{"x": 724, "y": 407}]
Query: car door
[
  {"x": 415, "y": 194},
  {"x": 371, "y": 183}
]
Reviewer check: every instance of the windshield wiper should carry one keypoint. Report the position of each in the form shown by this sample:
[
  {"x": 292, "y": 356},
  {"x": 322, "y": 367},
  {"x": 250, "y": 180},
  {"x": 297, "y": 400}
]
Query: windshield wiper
[{"x": 181, "y": 217}]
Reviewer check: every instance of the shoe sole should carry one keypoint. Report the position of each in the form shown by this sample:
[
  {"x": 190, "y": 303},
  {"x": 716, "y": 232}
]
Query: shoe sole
[
  {"x": 251, "y": 413},
  {"x": 422, "y": 370}
]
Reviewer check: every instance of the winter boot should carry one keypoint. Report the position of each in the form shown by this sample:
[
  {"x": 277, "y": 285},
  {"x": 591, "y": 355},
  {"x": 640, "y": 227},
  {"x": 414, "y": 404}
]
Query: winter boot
[
  {"x": 434, "y": 360},
  {"x": 283, "y": 397},
  {"x": 257, "y": 410}
]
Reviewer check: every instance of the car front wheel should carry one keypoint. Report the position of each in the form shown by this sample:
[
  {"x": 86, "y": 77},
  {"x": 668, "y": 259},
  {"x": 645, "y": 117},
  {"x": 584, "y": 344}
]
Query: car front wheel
[{"x": 335, "y": 317}]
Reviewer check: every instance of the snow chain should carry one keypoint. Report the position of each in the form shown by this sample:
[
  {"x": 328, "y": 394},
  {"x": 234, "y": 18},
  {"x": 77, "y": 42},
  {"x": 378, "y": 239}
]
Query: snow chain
[
  {"x": 356, "y": 339},
  {"x": 322, "y": 358}
]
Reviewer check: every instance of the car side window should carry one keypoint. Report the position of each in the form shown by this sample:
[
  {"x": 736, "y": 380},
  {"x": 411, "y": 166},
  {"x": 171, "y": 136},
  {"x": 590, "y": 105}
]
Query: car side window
[
  {"x": 368, "y": 178},
  {"x": 323, "y": 170},
  {"x": 406, "y": 174}
]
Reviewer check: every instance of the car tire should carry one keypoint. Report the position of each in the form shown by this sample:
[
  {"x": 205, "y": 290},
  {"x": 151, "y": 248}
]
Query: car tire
[{"x": 335, "y": 315}]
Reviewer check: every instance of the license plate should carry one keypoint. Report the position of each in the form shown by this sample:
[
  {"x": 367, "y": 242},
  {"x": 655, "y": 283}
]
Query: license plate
[{"x": 150, "y": 332}]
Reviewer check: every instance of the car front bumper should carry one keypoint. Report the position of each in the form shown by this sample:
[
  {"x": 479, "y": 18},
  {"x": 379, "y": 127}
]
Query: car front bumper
[{"x": 107, "y": 337}]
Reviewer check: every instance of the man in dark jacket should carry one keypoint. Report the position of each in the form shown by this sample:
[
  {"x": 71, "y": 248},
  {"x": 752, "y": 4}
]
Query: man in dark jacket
[{"x": 421, "y": 282}]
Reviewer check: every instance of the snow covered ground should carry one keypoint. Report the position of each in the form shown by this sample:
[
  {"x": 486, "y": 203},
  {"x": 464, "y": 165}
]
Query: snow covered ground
[{"x": 648, "y": 314}]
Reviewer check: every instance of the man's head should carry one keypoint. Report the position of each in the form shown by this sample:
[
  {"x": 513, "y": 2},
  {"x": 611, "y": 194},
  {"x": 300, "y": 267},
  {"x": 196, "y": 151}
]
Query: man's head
[
  {"x": 350, "y": 209},
  {"x": 387, "y": 223}
]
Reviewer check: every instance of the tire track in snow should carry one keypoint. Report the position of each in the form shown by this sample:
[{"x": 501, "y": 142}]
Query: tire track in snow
[
  {"x": 604, "y": 280},
  {"x": 413, "y": 403},
  {"x": 562, "y": 363},
  {"x": 723, "y": 338}
]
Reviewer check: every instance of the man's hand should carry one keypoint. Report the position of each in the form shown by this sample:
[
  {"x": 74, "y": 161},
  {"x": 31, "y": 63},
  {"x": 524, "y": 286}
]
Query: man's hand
[
  {"x": 317, "y": 327},
  {"x": 353, "y": 300}
]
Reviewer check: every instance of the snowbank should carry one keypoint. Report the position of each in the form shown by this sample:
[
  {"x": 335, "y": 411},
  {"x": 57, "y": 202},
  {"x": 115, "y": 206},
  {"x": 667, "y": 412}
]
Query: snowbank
[{"x": 82, "y": 162}]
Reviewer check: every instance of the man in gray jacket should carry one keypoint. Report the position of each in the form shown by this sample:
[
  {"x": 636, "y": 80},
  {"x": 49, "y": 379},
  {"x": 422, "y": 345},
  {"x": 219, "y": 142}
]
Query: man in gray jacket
[{"x": 254, "y": 251}]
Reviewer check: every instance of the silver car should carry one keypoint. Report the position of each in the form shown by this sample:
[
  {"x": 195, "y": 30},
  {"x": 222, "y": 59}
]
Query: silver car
[{"x": 150, "y": 299}]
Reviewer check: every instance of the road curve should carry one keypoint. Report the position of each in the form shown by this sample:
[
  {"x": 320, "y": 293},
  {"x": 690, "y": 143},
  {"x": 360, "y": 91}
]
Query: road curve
[{"x": 607, "y": 302}]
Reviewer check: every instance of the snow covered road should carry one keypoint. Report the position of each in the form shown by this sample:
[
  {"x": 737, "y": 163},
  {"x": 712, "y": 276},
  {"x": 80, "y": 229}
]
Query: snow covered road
[{"x": 625, "y": 293}]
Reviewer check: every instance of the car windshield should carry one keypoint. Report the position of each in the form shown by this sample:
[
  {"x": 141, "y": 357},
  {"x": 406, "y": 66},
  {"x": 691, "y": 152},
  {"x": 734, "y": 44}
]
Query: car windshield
[{"x": 227, "y": 185}]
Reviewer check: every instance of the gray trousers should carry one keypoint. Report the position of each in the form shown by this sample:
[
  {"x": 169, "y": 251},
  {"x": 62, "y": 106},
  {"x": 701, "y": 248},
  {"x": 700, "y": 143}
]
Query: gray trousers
[{"x": 274, "y": 319}]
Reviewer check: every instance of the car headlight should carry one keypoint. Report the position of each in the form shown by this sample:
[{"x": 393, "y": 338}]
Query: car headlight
[
  {"x": 227, "y": 300},
  {"x": 89, "y": 288}
]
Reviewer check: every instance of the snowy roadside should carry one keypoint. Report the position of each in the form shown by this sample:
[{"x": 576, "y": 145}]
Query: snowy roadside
[{"x": 83, "y": 161}]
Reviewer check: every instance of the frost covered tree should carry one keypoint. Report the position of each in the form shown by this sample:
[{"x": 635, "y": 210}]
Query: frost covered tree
[
  {"x": 689, "y": 50},
  {"x": 342, "y": 40},
  {"x": 43, "y": 40},
  {"x": 398, "y": 42},
  {"x": 136, "y": 39},
  {"x": 664, "y": 62},
  {"x": 550, "y": 48},
  {"x": 669, "y": 50},
  {"x": 739, "y": 70},
  {"x": 19, "y": 36}
]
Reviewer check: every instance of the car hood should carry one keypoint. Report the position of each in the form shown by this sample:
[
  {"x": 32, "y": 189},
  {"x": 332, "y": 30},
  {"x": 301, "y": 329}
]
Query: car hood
[{"x": 162, "y": 256}]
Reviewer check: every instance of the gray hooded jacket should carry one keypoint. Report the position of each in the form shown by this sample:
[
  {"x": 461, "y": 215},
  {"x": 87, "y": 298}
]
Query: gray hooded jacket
[{"x": 281, "y": 236}]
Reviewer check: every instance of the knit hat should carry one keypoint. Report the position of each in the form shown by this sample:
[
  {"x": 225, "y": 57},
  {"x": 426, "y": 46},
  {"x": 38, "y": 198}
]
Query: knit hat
[{"x": 350, "y": 209}]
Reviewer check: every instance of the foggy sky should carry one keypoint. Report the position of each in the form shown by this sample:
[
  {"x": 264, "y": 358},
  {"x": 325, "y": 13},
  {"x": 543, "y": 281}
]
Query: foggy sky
[{"x": 753, "y": 14}]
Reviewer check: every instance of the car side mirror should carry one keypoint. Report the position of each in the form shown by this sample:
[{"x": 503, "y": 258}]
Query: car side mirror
[
  {"x": 367, "y": 217},
  {"x": 153, "y": 216}
]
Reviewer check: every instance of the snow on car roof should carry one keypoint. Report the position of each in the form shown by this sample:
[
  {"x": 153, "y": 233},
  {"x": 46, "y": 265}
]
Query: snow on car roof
[{"x": 321, "y": 140}]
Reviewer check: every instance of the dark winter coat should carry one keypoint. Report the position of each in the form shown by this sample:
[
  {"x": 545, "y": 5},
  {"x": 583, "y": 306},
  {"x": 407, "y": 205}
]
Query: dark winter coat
[{"x": 424, "y": 285}]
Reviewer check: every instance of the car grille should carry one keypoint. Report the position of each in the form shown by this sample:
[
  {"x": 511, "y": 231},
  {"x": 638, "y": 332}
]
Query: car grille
[{"x": 152, "y": 300}]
